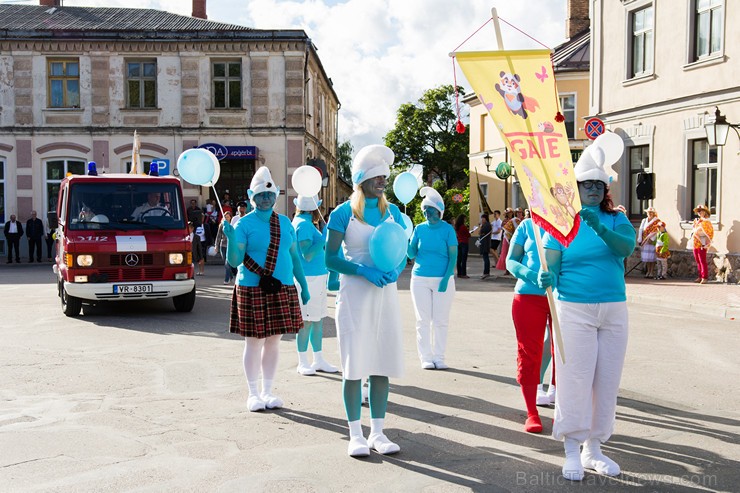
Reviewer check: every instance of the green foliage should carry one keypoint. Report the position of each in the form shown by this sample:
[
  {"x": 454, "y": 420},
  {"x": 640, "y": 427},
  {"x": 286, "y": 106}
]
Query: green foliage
[
  {"x": 413, "y": 208},
  {"x": 425, "y": 134},
  {"x": 344, "y": 160}
]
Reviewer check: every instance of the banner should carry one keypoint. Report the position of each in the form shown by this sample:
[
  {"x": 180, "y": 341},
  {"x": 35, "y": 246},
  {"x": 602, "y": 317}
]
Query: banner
[
  {"x": 482, "y": 201},
  {"x": 518, "y": 90}
]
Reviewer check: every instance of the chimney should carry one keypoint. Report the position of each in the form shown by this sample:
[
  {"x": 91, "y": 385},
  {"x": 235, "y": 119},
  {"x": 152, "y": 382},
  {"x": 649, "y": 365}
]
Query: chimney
[
  {"x": 578, "y": 20},
  {"x": 199, "y": 9},
  {"x": 50, "y": 3}
]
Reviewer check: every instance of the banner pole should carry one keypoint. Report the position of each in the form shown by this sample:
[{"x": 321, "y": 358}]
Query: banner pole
[
  {"x": 497, "y": 27},
  {"x": 550, "y": 296}
]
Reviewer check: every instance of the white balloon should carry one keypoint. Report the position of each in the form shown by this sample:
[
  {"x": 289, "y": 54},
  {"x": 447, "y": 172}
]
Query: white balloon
[
  {"x": 216, "y": 173},
  {"x": 612, "y": 145},
  {"x": 306, "y": 181}
]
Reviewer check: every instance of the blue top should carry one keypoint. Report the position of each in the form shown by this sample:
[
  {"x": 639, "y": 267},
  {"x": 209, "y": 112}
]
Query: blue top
[
  {"x": 306, "y": 230},
  {"x": 433, "y": 244},
  {"x": 340, "y": 217},
  {"x": 524, "y": 236},
  {"x": 589, "y": 271},
  {"x": 255, "y": 233}
]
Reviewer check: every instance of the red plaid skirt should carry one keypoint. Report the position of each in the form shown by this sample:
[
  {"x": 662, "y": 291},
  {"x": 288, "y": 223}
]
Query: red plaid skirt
[{"x": 257, "y": 314}]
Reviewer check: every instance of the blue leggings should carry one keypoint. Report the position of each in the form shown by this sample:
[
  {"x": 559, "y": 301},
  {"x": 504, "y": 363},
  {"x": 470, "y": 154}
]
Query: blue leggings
[
  {"x": 311, "y": 331},
  {"x": 378, "y": 398}
]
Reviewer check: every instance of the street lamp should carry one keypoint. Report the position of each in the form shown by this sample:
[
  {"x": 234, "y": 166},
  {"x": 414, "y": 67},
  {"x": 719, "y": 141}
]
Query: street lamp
[
  {"x": 487, "y": 160},
  {"x": 718, "y": 129}
]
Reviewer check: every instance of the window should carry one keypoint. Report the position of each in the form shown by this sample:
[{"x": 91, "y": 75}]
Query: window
[
  {"x": 642, "y": 42},
  {"x": 141, "y": 84},
  {"x": 143, "y": 168},
  {"x": 568, "y": 108},
  {"x": 227, "y": 85},
  {"x": 484, "y": 191},
  {"x": 707, "y": 28},
  {"x": 639, "y": 163},
  {"x": 704, "y": 175},
  {"x": 55, "y": 173},
  {"x": 64, "y": 83}
]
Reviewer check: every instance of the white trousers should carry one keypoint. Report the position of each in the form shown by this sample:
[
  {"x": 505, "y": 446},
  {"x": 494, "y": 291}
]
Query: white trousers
[
  {"x": 595, "y": 341},
  {"x": 432, "y": 310}
]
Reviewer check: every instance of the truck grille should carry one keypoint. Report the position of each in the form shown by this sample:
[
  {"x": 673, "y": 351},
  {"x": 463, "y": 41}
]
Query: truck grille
[
  {"x": 144, "y": 259},
  {"x": 129, "y": 274}
]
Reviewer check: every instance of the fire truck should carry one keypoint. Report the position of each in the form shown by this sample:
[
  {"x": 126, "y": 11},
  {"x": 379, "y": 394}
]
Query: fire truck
[{"x": 122, "y": 237}]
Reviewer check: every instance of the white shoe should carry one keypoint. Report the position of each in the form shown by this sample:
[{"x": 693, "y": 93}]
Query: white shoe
[
  {"x": 324, "y": 366},
  {"x": 542, "y": 397},
  {"x": 365, "y": 393},
  {"x": 305, "y": 370},
  {"x": 358, "y": 447},
  {"x": 440, "y": 365},
  {"x": 382, "y": 444},
  {"x": 271, "y": 401},
  {"x": 254, "y": 403},
  {"x": 551, "y": 393},
  {"x": 427, "y": 365}
]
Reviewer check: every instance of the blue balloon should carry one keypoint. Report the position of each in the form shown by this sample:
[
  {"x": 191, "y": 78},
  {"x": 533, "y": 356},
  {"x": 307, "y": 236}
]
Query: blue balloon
[
  {"x": 405, "y": 186},
  {"x": 388, "y": 245},
  {"x": 197, "y": 166},
  {"x": 409, "y": 225}
]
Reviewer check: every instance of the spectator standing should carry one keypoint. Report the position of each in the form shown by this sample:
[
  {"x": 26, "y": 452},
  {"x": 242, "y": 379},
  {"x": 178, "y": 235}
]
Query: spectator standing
[
  {"x": 507, "y": 229},
  {"x": 34, "y": 233},
  {"x": 484, "y": 244},
  {"x": 13, "y": 231},
  {"x": 702, "y": 234},
  {"x": 662, "y": 251},
  {"x": 242, "y": 208},
  {"x": 49, "y": 237},
  {"x": 463, "y": 239},
  {"x": 195, "y": 213},
  {"x": 434, "y": 245},
  {"x": 646, "y": 239},
  {"x": 221, "y": 244},
  {"x": 496, "y": 234}
]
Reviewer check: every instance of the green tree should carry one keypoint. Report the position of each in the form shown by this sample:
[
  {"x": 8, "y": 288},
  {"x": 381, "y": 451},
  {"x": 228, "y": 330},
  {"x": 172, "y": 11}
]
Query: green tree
[
  {"x": 425, "y": 134},
  {"x": 344, "y": 160}
]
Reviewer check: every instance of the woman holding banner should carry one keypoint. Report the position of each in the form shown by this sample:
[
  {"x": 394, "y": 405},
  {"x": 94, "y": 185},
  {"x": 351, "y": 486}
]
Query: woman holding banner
[
  {"x": 368, "y": 316},
  {"x": 592, "y": 310}
]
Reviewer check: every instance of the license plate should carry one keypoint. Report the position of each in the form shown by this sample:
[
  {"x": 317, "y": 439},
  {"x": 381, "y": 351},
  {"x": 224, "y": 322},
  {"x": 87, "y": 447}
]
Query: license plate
[{"x": 132, "y": 288}]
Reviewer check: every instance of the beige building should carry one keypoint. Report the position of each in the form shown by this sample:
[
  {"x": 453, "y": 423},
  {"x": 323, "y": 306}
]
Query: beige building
[
  {"x": 75, "y": 83},
  {"x": 662, "y": 69},
  {"x": 571, "y": 64}
]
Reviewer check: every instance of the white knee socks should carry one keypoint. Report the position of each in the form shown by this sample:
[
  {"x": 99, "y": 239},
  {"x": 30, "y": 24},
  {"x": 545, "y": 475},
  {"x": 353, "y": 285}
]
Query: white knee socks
[
  {"x": 572, "y": 469},
  {"x": 357, "y": 444}
]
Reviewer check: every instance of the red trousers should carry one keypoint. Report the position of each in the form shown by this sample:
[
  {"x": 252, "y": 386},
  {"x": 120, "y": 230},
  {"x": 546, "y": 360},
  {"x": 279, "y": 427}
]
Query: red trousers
[
  {"x": 530, "y": 313},
  {"x": 700, "y": 256}
]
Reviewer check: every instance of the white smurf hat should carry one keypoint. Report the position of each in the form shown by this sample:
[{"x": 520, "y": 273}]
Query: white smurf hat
[
  {"x": 372, "y": 161},
  {"x": 595, "y": 159},
  {"x": 262, "y": 182},
  {"x": 432, "y": 198},
  {"x": 307, "y": 204}
]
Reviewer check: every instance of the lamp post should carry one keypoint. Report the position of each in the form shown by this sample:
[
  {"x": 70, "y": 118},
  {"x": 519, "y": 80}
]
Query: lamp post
[
  {"x": 718, "y": 129},
  {"x": 487, "y": 160}
]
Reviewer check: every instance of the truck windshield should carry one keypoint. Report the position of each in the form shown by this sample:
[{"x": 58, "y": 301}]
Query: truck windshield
[{"x": 125, "y": 206}]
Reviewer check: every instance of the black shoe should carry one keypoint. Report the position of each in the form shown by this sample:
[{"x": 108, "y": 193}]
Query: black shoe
[
  {"x": 30, "y": 261},
  {"x": 9, "y": 262}
]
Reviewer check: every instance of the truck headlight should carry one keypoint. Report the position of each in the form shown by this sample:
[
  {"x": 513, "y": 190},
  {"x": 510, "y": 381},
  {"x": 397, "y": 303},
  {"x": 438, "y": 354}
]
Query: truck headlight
[
  {"x": 176, "y": 258},
  {"x": 84, "y": 260}
]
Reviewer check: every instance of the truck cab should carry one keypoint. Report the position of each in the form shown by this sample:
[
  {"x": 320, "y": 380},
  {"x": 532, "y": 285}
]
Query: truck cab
[{"x": 122, "y": 237}]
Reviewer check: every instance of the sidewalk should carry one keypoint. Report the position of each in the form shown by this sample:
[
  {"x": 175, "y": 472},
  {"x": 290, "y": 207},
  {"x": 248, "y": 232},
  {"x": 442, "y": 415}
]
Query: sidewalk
[{"x": 712, "y": 299}]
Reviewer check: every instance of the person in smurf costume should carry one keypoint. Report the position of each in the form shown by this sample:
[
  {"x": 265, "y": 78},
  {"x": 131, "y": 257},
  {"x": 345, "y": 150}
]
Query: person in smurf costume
[
  {"x": 592, "y": 309},
  {"x": 368, "y": 315},
  {"x": 434, "y": 245},
  {"x": 262, "y": 244},
  {"x": 311, "y": 246}
]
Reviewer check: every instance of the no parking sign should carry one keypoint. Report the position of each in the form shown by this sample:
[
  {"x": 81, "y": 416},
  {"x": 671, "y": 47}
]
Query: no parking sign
[{"x": 594, "y": 127}]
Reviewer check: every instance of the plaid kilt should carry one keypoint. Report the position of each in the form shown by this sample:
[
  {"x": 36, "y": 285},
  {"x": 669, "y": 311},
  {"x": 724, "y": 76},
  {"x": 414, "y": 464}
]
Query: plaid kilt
[{"x": 257, "y": 314}]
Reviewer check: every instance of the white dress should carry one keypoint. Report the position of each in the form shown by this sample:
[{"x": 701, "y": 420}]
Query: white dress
[{"x": 369, "y": 328}]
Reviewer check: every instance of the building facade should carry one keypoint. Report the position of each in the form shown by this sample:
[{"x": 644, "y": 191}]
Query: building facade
[
  {"x": 75, "y": 83},
  {"x": 662, "y": 71}
]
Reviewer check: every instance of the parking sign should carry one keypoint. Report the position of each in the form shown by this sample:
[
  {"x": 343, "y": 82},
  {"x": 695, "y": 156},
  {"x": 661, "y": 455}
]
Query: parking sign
[{"x": 163, "y": 165}]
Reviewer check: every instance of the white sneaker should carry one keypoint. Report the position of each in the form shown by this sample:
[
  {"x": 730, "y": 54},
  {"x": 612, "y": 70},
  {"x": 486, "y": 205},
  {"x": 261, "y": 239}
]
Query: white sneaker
[
  {"x": 324, "y": 366},
  {"x": 254, "y": 403},
  {"x": 271, "y": 401},
  {"x": 382, "y": 444},
  {"x": 542, "y": 397},
  {"x": 427, "y": 365},
  {"x": 551, "y": 394},
  {"x": 440, "y": 365},
  {"x": 305, "y": 370},
  {"x": 358, "y": 447}
]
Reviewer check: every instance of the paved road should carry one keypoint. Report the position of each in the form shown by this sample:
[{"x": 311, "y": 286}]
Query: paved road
[{"x": 136, "y": 397}]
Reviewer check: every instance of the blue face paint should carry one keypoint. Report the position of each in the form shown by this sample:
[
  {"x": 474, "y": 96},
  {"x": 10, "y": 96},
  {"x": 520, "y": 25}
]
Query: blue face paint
[
  {"x": 590, "y": 197},
  {"x": 264, "y": 201},
  {"x": 432, "y": 215},
  {"x": 373, "y": 188}
]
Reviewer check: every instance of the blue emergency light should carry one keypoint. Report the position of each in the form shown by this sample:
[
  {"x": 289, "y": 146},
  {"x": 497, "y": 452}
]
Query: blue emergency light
[
  {"x": 153, "y": 169},
  {"x": 92, "y": 169}
]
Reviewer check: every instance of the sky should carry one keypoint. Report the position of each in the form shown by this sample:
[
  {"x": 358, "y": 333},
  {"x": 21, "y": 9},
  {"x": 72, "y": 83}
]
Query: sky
[{"x": 380, "y": 54}]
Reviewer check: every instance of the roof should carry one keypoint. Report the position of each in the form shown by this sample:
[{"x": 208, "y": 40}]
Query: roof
[
  {"x": 575, "y": 54},
  {"x": 41, "y": 22}
]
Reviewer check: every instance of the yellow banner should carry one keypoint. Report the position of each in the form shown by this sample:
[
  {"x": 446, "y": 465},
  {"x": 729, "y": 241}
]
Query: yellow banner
[{"x": 518, "y": 90}]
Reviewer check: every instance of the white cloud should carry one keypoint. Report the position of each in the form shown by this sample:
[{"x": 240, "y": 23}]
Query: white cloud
[{"x": 382, "y": 53}]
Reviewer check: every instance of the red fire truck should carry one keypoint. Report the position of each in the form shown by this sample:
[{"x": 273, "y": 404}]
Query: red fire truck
[{"x": 123, "y": 237}]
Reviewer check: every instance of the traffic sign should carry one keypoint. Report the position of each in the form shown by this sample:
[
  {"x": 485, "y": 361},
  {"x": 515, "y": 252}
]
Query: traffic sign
[
  {"x": 163, "y": 165},
  {"x": 594, "y": 127}
]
